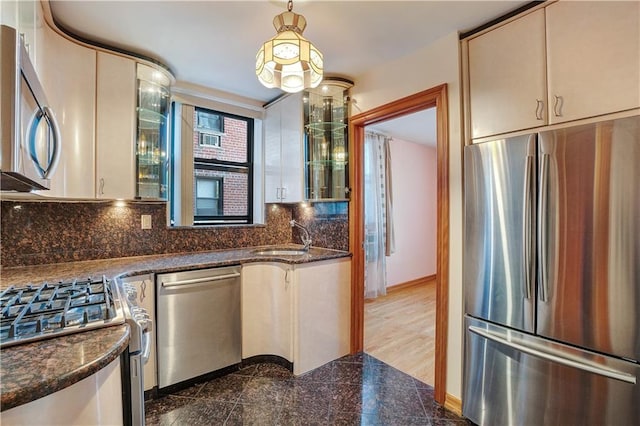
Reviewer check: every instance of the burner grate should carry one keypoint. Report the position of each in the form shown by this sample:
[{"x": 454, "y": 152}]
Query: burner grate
[{"x": 37, "y": 311}]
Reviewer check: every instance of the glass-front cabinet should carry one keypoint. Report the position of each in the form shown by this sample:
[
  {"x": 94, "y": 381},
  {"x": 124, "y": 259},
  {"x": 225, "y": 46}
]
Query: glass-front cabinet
[
  {"x": 152, "y": 157},
  {"x": 326, "y": 111}
]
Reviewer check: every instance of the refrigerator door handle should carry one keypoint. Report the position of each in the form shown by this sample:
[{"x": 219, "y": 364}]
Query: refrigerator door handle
[
  {"x": 553, "y": 356},
  {"x": 526, "y": 240},
  {"x": 542, "y": 227}
]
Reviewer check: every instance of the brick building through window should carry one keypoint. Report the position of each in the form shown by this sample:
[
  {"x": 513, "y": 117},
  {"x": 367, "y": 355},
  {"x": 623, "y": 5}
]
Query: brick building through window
[{"x": 222, "y": 153}]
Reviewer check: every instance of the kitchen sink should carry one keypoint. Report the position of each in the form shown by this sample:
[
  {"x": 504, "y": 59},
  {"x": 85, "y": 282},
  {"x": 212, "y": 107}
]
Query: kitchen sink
[{"x": 280, "y": 252}]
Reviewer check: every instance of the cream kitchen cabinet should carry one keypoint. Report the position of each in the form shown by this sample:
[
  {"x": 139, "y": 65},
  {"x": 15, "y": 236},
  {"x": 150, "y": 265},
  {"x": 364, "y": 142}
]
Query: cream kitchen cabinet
[
  {"x": 283, "y": 161},
  {"x": 507, "y": 87},
  {"x": 593, "y": 58},
  {"x": 567, "y": 61},
  {"x": 68, "y": 74},
  {"x": 298, "y": 312},
  {"x": 115, "y": 126},
  {"x": 267, "y": 297},
  {"x": 322, "y": 313},
  {"x": 145, "y": 289}
]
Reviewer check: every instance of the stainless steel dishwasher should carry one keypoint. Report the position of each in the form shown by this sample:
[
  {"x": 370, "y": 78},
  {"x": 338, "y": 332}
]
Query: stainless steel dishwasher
[{"x": 198, "y": 317}]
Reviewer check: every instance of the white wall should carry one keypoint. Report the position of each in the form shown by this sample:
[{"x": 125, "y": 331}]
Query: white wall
[
  {"x": 433, "y": 65},
  {"x": 414, "y": 182}
]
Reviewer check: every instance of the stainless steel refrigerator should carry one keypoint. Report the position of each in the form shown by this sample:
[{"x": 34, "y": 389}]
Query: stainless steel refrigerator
[{"x": 552, "y": 277}]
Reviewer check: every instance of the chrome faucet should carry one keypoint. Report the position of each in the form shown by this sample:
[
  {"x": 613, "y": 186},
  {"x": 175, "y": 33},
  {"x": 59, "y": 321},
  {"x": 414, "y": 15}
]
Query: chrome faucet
[{"x": 306, "y": 238}]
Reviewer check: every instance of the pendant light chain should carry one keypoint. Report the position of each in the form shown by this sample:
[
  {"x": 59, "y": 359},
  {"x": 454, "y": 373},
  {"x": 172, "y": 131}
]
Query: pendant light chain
[{"x": 290, "y": 5}]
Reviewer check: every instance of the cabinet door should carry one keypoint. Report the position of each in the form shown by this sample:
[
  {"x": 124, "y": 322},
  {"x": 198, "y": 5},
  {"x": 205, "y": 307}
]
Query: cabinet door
[
  {"x": 68, "y": 74},
  {"x": 115, "y": 127},
  {"x": 266, "y": 310},
  {"x": 507, "y": 77},
  {"x": 272, "y": 174},
  {"x": 291, "y": 126},
  {"x": 322, "y": 318},
  {"x": 593, "y": 63},
  {"x": 147, "y": 299}
]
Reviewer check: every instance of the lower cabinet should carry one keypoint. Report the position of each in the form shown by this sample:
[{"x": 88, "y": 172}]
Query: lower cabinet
[
  {"x": 267, "y": 300},
  {"x": 322, "y": 313},
  {"x": 94, "y": 400},
  {"x": 145, "y": 289},
  {"x": 298, "y": 312}
]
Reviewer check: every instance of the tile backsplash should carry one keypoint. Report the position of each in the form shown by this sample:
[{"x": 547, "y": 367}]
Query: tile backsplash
[{"x": 40, "y": 232}]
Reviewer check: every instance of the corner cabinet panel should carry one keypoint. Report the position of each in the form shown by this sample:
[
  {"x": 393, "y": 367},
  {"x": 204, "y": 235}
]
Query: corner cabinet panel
[
  {"x": 593, "y": 63},
  {"x": 507, "y": 77},
  {"x": 115, "y": 127},
  {"x": 322, "y": 316},
  {"x": 70, "y": 85},
  {"x": 267, "y": 290}
]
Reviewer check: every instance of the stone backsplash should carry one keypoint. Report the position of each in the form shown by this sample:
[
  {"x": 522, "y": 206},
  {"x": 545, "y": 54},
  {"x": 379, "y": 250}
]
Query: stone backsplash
[{"x": 39, "y": 232}]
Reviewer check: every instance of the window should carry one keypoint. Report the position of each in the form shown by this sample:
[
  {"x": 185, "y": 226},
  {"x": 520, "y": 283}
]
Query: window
[
  {"x": 213, "y": 174},
  {"x": 209, "y": 121},
  {"x": 208, "y": 139},
  {"x": 209, "y": 196}
]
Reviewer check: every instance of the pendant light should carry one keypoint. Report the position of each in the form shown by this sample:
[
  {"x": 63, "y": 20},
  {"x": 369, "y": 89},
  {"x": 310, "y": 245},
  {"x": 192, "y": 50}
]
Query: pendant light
[{"x": 289, "y": 61}]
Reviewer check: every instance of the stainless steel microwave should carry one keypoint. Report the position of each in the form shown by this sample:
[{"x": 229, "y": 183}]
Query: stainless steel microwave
[{"x": 30, "y": 146}]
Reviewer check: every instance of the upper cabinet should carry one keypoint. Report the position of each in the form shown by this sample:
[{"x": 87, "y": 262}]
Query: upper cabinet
[
  {"x": 70, "y": 84},
  {"x": 152, "y": 132},
  {"x": 283, "y": 151},
  {"x": 113, "y": 115},
  {"x": 115, "y": 127},
  {"x": 507, "y": 78},
  {"x": 326, "y": 111},
  {"x": 593, "y": 58},
  {"x": 567, "y": 61},
  {"x": 306, "y": 146}
]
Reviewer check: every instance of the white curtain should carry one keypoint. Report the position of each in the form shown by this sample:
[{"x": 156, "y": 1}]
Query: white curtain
[{"x": 378, "y": 217}]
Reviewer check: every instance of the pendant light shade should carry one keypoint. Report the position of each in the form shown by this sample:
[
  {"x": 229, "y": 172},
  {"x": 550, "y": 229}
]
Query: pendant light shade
[{"x": 289, "y": 61}]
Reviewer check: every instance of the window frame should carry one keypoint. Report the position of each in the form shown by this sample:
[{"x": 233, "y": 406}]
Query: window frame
[
  {"x": 246, "y": 167},
  {"x": 220, "y": 198},
  {"x": 208, "y": 111}
]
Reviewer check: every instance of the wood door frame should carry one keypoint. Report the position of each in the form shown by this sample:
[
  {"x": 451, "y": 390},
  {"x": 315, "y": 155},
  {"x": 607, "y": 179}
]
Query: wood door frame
[{"x": 434, "y": 97}]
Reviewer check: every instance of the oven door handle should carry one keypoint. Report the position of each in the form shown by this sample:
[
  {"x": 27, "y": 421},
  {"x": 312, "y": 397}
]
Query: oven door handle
[
  {"x": 200, "y": 280},
  {"x": 146, "y": 350}
]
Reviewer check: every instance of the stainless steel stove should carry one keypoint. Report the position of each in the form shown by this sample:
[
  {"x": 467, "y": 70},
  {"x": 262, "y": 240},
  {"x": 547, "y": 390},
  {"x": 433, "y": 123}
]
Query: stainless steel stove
[
  {"x": 49, "y": 310},
  {"x": 37, "y": 312}
]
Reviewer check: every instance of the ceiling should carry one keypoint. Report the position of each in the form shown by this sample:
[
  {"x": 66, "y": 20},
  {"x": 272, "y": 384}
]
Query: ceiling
[
  {"x": 418, "y": 127},
  {"x": 213, "y": 43}
]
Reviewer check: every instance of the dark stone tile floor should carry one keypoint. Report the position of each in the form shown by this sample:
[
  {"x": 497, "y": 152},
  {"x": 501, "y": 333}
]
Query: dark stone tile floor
[{"x": 353, "y": 390}]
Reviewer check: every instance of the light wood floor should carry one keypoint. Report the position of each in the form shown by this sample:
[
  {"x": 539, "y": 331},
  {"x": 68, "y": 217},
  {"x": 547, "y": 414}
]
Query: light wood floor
[{"x": 400, "y": 329}]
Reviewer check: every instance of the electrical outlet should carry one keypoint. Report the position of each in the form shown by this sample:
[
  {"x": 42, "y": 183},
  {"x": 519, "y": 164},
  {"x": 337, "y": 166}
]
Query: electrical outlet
[{"x": 145, "y": 220}]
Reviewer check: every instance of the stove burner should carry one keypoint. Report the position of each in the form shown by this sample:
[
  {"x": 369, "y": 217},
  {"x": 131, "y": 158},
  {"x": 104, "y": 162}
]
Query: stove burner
[{"x": 36, "y": 312}]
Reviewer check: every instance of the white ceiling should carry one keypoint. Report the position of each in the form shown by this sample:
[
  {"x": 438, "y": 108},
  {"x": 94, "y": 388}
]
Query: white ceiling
[
  {"x": 418, "y": 127},
  {"x": 213, "y": 43}
]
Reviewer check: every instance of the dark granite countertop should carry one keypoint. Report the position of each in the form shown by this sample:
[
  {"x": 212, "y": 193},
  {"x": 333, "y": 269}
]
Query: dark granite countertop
[
  {"x": 163, "y": 263},
  {"x": 37, "y": 369},
  {"x": 34, "y": 370}
]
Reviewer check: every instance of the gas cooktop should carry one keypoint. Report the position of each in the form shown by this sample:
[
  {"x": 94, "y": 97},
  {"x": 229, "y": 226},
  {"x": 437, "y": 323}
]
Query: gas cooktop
[{"x": 36, "y": 312}]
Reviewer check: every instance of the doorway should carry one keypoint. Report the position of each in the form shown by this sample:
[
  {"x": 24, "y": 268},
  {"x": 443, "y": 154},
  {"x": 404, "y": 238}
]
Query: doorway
[
  {"x": 434, "y": 97},
  {"x": 399, "y": 324}
]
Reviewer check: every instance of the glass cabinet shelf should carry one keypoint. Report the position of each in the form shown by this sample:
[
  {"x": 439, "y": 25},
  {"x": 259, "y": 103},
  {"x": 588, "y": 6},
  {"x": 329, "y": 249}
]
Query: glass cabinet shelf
[
  {"x": 152, "y": 134},
  {"x": 326, "y": 141}
]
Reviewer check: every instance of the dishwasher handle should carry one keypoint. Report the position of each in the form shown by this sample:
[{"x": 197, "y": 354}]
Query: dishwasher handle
[{"x": 199, "y": 281}]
